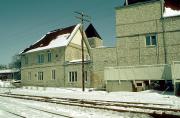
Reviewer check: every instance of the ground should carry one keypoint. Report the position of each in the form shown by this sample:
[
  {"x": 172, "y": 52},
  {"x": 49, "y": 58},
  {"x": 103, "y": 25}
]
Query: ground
[{"x": 15, "y": 108}]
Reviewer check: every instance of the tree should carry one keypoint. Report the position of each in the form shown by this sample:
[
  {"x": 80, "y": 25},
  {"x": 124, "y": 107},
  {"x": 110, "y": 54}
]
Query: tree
[
  {"x": 16, "y": 62},
  {"x": 3, "y": 67}
]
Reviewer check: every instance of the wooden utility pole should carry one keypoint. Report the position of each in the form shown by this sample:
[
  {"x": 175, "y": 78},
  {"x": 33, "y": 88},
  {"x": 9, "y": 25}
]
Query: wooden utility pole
[{"x": 83, "y": 17}]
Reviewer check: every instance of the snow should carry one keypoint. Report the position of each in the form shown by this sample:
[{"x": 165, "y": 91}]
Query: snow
[
  {"x": 9, "y": 71},
  {"x": 78, "y": 61},
  {"x": 149, "y": 96},
  {"x": 170, "y": 12},
  {"x": 25, "y": 107},
  {"x": 28, "y": 109},
  {"x": 60, "y": 41}
]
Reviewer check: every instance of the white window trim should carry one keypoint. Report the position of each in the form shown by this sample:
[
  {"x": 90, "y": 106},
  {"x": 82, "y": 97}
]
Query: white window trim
[
  {"x": 40, "y": 76},
  {"x": 72, "y": 76}
]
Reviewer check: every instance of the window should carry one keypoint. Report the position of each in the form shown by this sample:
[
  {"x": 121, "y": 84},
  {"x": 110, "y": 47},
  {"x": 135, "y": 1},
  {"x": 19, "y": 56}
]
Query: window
[
  {"x": 26, "y": 59},
  {"x": 139, "y": 84},
  {"x": 151, "y": 40},
  {"x": 29, "y": 75},
  {"x": 41, "y": 58},
  {"x": 40, "y": 75},
  {"x": 85, "y": 76},
  {"x": 73, "y": 76},
  {"x": 53, "y": 74},
  {"x": 49, "y": 56}
]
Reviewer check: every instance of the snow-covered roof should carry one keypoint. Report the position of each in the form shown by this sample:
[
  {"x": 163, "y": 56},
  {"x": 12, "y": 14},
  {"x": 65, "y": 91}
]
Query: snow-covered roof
[
  {"x": 9, "y": 71},
  {"x": 53, "y": 39},
  {"x": 169, "y": 12},
  {"x": 78, "y": 61},
  {"x": 171, "y": 8}
]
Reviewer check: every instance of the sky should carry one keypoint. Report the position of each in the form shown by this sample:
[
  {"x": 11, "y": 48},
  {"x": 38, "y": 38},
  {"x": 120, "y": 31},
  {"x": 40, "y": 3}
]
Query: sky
[{"x": 23, "y": 22}]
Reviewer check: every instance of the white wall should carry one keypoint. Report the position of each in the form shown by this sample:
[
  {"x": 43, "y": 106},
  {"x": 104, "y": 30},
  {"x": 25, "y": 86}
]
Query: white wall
[{"x": 145, "y": 72}]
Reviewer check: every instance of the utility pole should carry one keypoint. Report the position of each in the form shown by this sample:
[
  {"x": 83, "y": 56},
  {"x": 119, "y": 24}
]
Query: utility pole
[
  {"x": 83, "y": 17},
  {"x": 126, "y": 2}
]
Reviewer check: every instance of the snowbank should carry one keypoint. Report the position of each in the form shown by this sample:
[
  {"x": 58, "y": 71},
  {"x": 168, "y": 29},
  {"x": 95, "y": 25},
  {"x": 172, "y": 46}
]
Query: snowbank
[{"x": 140, "y": 97}]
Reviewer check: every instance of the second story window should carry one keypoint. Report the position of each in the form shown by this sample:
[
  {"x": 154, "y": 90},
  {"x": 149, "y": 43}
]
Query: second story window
[
  {"x": 26, "y": 59},
  {"x": 41, "y": 58},
  {"x": 49, "y": 56},
  {"x": 151, "y": 40}
]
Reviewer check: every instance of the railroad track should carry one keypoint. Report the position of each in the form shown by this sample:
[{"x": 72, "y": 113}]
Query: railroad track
[{"x": 155, "y": 110}]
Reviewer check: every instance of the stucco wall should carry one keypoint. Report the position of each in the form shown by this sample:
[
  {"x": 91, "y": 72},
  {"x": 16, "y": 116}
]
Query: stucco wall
[
  {"x": 57, "y": 61},
  {"x": 77, "y": 67}
]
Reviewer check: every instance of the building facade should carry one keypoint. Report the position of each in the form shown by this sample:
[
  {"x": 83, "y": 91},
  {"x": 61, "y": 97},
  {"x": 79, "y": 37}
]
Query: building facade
[
  {"x": 146, "y": 50},
  {"x": 56, "y": 59},
  {"x": 147, "y": 33}
]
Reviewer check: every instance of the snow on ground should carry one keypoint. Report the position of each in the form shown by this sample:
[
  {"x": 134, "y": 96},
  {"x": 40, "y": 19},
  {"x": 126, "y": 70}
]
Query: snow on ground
[
  {"x": 149, "y": 96},
  {"x": 22, "y": 107},
  {"x": 25, "y": 107}
]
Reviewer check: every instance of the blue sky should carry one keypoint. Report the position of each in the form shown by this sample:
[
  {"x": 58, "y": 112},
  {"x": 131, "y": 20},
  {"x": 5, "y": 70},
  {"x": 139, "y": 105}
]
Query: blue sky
[{"x": 22, "y": 22}]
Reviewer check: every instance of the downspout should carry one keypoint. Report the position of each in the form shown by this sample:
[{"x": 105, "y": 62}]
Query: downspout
[{"x": 163, "y": 28}]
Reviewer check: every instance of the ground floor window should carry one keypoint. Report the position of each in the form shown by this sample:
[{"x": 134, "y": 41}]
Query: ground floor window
[
  {"x": 53, "y": 74},
  {"x": 73, "y": 76},
  {"x": 29, "y": 75},
  {"x": 85, "y": 76},
  {"x": 40, "y": 75}
]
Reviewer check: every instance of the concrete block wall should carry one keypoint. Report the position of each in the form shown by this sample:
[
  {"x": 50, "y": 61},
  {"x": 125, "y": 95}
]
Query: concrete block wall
[
  {"x": 134, "y": 22},
  {"x": 101, "y": 57}
]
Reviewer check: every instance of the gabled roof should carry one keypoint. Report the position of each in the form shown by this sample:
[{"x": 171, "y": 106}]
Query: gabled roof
[
  {"x": 91, "y": 32},
  {"x": 56, "y": 38}
]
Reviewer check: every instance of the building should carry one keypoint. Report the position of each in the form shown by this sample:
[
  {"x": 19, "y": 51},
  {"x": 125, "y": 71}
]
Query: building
[
  {"x": 147, "y": 52},
  {"x": 9, "y": 74},
  {"x": 55, "y": 60},
  {"x": 148, "y": 34}
]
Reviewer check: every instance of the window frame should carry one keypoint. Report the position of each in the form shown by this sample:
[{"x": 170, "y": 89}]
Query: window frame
[
  {"x": 40, "y": 76},
  {"x": 150, "y": 37},
  {"x": 85, "y": 76},
  {"x": 29, "y": 75},
  {"x": 26, "y": 60},
  {"x": 73, "y": 76},
  {"x": 53, "y": 74},
  {"x": 49, "y": 57},
  {"x": 40, "y": 58}
]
